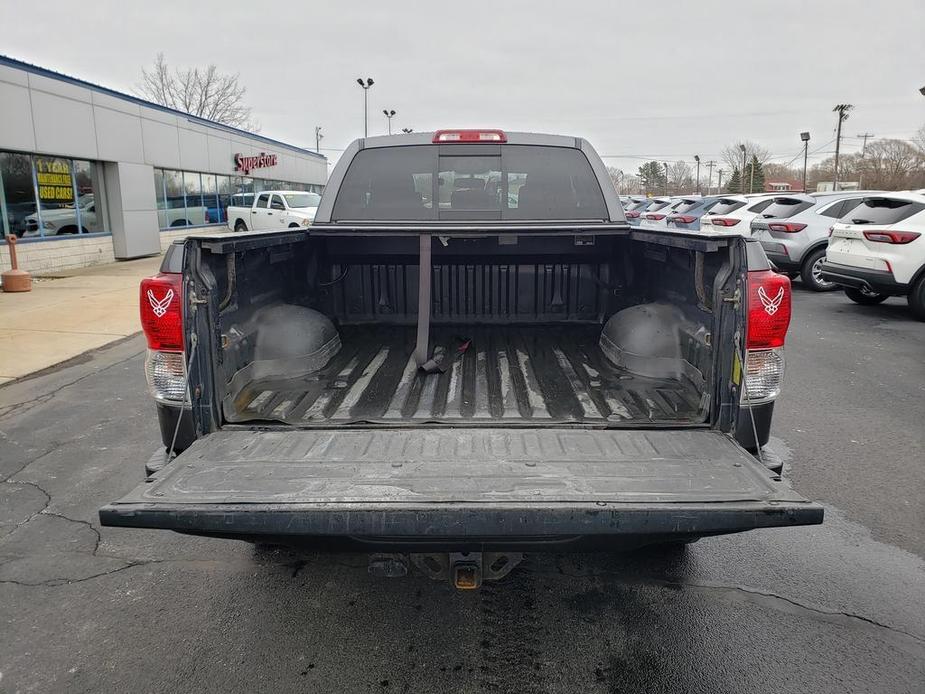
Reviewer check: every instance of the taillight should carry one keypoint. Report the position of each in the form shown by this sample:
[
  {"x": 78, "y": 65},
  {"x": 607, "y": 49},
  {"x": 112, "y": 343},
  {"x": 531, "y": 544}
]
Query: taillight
[
  {"x": 725, "y": 221},
  {"x": 768, "y": 309},
  {"x": 789, "y": 227},
  {"x": 632, "y": 215},
  {"x": 162, "y": 323},
  {"x": 161, "y": 314},
  {"x": 896, "y": 237},
  {"x": 768, "y": 319},
  {"x": 655, "y": 217},
  {"x": 451, "y": 136},
  {"x": 682, "y": 219}
]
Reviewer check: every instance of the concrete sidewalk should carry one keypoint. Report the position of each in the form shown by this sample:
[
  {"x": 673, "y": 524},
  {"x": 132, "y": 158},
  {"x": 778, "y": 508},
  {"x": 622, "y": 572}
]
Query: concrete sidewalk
[{"x": 66, "y": 316}]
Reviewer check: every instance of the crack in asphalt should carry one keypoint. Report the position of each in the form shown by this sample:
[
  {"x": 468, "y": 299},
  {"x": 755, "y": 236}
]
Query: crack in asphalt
[
  {"x": 41, "y": 510},
  {"x": 31, "y": 403},
  {"x": 771, "y": 597},
  {"x": 55, "y": 445},
  {"x": 804, "y": 606}
]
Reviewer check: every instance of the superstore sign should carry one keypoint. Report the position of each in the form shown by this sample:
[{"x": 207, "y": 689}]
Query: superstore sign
[{"x": 263, "y": 160}]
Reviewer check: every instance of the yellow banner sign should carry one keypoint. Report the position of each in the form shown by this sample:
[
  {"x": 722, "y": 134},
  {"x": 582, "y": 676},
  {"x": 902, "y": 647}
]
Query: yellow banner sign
[{"x": 54, "y": 179}]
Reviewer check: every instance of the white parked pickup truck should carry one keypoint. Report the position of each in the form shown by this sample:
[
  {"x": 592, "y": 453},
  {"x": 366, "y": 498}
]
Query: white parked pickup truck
[{"x": 274, "y": 209}]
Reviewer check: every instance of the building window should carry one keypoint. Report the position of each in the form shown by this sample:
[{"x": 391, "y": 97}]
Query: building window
[
  {"x": 191, "y": 198},
  {"x": 46, "y": 197}
]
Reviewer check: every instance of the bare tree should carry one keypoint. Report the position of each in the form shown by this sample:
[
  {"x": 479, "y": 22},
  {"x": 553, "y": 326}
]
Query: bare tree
[
  {"x": 630, "y": 185},
  {"x": 679, "y": 178},
  {"x": 893, "y": 165},
  {"x": 781, "y": 172},
  {"x": 732, "y": 154},
  {"x": 205, "y": 92},
  {"x": 824, "y": 171},
  {"x": 616, "y": 176},
  {"x": 919, "y": 139}
]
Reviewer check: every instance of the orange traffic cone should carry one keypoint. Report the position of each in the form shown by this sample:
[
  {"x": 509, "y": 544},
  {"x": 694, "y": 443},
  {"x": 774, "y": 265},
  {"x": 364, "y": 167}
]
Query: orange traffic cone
[{"x": 15, "y": 280}]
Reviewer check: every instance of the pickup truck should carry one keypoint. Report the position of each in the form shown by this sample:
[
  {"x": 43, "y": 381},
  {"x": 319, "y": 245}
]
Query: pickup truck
[
  {"x": 468, "y": 355},
  {"x": 274, "y": 209}
]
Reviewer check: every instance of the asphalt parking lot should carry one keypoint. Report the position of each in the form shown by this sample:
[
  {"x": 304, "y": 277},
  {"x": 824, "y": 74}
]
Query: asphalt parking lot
[{"x": 832, "y": 608}]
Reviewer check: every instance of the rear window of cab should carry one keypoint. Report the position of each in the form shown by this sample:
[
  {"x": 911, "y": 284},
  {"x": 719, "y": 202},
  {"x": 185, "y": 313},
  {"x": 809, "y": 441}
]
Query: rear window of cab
[{"x": 470, "y": 182}]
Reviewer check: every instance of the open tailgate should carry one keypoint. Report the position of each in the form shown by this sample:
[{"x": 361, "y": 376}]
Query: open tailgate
[{"x": 427, "y": 484}]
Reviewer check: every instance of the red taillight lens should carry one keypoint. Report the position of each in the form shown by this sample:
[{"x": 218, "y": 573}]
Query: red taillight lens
[
  {"x": 632, "y": 215},
  {"x": 451, "y": 136},
  {"x": 161, "y": 312},
  {"x": 768, "y": 309},
  {"x": 789, "y": 227},
  {"x": 897, "y": 237},
  {"x": 725, "y": 221},
  {"x": 655, "y": 217},
  {"x": 682, "y": 219}
]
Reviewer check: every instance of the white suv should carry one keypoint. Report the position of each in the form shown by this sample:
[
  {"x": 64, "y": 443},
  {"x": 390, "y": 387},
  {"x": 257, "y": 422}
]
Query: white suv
[
  {"x": 735, "y": 212},
  {"x": 878, "y": 250}
]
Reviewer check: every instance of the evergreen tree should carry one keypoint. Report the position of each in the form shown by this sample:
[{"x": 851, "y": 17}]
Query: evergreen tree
[
  {"x": 652, "y": 177},
  {"x": 754, "y": 183},
  {"x": 735, "y": 183}
]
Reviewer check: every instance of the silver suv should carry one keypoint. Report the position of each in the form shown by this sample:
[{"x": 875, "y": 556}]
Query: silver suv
[{"x": 794, "y": 232}]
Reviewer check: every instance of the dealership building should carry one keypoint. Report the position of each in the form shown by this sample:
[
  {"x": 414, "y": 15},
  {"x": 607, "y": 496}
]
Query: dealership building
[{"x": 89, "y": 175}]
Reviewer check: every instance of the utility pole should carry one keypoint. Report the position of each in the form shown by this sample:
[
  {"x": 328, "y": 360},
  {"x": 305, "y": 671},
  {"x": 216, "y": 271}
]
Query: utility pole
[
  {"x": 719, "y": 186},
  {"x": 864, "y": 137},
  {"x": 842, "y": 111},
  {"x": 666, "y": 176},
  {"x": 710, "y": 165},
  {"x": 318, "y": 137},
  {"x": 805, "y": 137},
  {"x": 366, "y": 85}
]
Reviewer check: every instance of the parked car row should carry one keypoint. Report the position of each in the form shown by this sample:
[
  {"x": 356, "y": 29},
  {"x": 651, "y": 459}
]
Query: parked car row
[{"x": 868, "y": 243}]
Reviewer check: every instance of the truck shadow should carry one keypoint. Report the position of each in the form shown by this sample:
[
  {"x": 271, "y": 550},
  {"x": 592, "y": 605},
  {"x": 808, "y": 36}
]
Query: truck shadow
[{"x": 558, "y": 622}]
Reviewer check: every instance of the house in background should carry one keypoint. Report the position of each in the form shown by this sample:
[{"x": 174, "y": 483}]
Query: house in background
[{"x": 790, "y": 186}]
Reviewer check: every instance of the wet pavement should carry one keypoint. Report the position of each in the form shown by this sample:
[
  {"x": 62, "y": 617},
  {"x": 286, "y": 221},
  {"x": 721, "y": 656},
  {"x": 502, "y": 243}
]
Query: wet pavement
[{"x": 832, "y": 608}]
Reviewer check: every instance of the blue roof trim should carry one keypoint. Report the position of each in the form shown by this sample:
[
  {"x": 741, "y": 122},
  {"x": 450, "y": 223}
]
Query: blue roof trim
[{"x": 45, "y": 72}]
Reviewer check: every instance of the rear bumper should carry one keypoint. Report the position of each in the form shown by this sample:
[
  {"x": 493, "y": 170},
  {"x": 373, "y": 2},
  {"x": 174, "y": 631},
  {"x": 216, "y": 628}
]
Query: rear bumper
[
  {"x": 880, "y": 281},
  {"x": 464, "y": 525}
]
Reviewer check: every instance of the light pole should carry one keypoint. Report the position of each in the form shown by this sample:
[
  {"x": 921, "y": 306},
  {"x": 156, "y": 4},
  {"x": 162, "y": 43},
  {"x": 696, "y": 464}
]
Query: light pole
[
  {"x": 318, "y": 137},
  {"x": 697, "y": 159},
  {"x": 407, "y": 130},
  {"x": 742, "y": 173},
  {"x": 366, "y": 85},
  {"x": 666, "y": 176},
  {"x": 842, "y": 111},
  {"x": 805, "y": 138},
  {"x": 389, "y": 114}
]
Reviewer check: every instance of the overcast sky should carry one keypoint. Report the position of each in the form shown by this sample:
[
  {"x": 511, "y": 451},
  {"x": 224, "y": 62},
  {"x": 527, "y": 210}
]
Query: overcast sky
[{"x": 656, "y": 79}]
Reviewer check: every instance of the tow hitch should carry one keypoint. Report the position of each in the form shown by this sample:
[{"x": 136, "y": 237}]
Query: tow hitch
[{"x": 465, "y": 570}]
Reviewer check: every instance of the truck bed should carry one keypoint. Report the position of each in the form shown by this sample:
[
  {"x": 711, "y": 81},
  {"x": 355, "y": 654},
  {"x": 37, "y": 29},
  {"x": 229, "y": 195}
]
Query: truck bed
[{"x": 507, "y": 374}]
